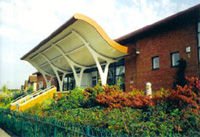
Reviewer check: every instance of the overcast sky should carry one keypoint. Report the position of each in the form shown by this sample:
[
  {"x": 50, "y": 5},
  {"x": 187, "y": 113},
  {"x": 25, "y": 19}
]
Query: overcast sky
[{"x": 24, "y": 23}]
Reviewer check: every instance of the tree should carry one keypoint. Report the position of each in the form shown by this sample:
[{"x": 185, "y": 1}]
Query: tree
[
  {"x": 180, "y": 74},
  {"x": 4, "y": 88}
]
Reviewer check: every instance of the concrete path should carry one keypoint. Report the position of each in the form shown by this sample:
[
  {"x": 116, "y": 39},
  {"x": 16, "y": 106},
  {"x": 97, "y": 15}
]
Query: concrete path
[{"x": 3, "y": 133}]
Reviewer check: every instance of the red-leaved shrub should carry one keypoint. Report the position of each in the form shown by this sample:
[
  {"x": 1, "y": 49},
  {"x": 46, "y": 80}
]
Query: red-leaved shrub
[
  {"x": 113, "y": 98},
  {"x": 188, "y": 95}
]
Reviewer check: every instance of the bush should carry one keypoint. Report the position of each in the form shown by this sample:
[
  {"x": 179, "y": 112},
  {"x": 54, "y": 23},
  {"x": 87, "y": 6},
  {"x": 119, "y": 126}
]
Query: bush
[
  {"x": 42, "y": 108},
  {"x": 114, "y": 98},
  {"x": 167, "y": 113},
  {"x": 186, "y": 96},
  {"x": 30, "y": 90},
  {"x": 5, "y": 100},
  {"x": 74, "y": 99}
]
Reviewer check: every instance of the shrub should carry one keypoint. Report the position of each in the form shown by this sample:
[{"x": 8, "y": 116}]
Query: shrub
[
  {"x": 5, "y": 100},
  {"x": 114, "y": 98},
  {"x": 186, "y": 96},
  {"x": 180, "y": 74},
  {"x": 74, "y": 99},
  {"x": 160, "y": 115},
  {"x": 42, "y": 108},
  {"x": 90, "y": 95},
  {"x": 30, "y": 90}
]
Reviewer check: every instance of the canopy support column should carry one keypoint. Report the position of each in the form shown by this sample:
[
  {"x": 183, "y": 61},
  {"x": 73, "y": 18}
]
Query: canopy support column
[
  {"x": 103, "y": 74},
  {"x": 73, "y": 66},
  {"x": 56, "y": 70}
]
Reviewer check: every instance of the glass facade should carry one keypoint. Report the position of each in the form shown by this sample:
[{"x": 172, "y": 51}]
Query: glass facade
[
  {"x": 69, "y": 83},
  {"x": 120, "y": 77},
  {"x": 111, "y": 76},
  {"x": 116, "y": 75},
  {"x": 95, "y": 77}
]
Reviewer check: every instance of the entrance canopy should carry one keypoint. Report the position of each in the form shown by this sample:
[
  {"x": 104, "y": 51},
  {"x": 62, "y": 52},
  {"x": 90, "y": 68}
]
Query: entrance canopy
[{"x": 78, "y": 44}]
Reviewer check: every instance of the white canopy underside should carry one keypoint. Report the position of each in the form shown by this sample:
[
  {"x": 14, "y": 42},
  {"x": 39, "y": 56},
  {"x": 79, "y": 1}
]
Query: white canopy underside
[{"x": 75, "y": 45}]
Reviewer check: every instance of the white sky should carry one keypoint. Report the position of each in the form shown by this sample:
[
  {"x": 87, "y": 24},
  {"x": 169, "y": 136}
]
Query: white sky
[{"x": 24, "y": 23}]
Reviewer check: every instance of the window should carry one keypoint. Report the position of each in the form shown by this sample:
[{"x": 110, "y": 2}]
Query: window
[
  {"x": 175, "y": 57},
  {"x": 111, "y": 76},
  {"x": 40, "y": 85},
  {"x": 69, "y": 83},
  {"x": 94, "y": 78},
  {"x": 198, "y": 31},
  {"x": 116, "y": 74},
  {"x": 94, "y": 81},
  {"x": 155, "y": 63},
  {"x": 119, "y": 76}
]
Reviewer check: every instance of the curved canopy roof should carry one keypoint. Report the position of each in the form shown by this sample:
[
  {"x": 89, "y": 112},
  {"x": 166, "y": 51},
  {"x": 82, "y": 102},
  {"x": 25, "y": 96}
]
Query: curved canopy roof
[{"x": 76, "y": 42}]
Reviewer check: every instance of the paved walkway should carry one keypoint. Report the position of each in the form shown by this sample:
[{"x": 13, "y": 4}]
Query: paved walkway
[{"x": 3, "y": 133}]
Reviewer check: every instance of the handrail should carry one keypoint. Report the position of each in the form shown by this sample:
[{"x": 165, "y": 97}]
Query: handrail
[
  {"x": 25, "y": 98},
  {"x": 20, "y": 97}
]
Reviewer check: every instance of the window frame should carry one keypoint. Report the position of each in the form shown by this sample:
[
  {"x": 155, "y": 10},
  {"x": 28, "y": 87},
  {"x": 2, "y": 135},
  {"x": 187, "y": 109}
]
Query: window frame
[
  {"x": 171, "y": 56},
  {"x": 69, "y": 82},
  {"x": 152, "y": 63},
  {"x": 94, "y": 81},
  {"x": 120, "y": 76}
]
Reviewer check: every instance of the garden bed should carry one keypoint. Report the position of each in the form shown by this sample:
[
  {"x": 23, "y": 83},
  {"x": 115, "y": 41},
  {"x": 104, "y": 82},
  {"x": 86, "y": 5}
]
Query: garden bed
[{"x": 166, "y": 113}]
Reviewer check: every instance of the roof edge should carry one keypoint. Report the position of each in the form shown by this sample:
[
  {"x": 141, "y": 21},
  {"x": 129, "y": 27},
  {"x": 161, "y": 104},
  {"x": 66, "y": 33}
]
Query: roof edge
[
  {"x": 79, "y": 16},
  {"x": 100, "y": 30},
  {"x": 156, "y": 24}
]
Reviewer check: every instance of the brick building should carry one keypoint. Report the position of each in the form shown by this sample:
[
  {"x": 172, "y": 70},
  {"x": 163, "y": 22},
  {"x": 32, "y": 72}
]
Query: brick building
[{"x": 155, "y": 49}]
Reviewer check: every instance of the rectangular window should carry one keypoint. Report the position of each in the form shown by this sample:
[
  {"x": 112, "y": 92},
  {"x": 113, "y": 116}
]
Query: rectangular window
[
  {"x": 94, "y": 81},
  {"x": 175, "y": 57},
  {"x": 40, "y": 85},
  {"x": 111, "y": 76},
  {"x": 94, "y": 78},
  {"x": 119, "y": 77},
  {"x": 199, "y": 54},
  {"x": 69, "y": 83},
  {"x": 155, "y": 63}
]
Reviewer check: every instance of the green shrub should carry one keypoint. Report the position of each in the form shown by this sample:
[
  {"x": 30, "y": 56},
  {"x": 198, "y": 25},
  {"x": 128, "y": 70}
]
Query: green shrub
[
  {"x": 90, "y": 95},
  {"x": 30, "y": 90},
  {"x": 42, "y": 108},
  {"x": 164, "y": 118},
  {"x": 5, "y": 97},
  {"x": 74, "y": 99},
  {"x": 5, "y": 100}
]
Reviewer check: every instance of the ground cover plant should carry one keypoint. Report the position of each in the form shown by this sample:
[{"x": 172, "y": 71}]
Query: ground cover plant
[{"x": 167, "y": 113}]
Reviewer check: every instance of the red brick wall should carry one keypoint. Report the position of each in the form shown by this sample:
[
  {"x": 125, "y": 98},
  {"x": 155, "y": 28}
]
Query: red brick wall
[{"x": 139, "y": 67}]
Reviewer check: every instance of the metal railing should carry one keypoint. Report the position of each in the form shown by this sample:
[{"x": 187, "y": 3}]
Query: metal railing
[
  {"x": 34, "y": 94},
  {"x": 26, "y": 125}
]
